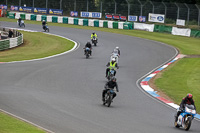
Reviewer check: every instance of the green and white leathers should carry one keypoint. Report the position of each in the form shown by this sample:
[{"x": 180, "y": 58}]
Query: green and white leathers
[{"x": 112, "y": 65}]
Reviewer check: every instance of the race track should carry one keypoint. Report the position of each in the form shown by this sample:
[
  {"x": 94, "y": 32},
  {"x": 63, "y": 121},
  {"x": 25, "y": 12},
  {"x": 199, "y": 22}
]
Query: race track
[{"x": 63, "y": 94}]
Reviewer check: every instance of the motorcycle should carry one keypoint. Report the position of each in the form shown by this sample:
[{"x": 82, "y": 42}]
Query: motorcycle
[
  {"x": 108, "y": 97},
  {"x": 111, "y": 73},
  {"x": 21, "y": 24},
  {"x": 87, "y": 52},
  {"x": 46, "y": 28},
  {"x": 186, "y": 117},
  {"x": 94, "y": 41}
]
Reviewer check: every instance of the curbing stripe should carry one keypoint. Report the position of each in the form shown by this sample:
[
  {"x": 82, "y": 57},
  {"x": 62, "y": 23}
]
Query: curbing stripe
[{"x": 149, "y": 90}]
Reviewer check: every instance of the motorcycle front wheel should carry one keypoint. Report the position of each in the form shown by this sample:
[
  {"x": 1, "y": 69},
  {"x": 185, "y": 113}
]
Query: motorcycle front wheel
[{"x": 188, "y": 124}]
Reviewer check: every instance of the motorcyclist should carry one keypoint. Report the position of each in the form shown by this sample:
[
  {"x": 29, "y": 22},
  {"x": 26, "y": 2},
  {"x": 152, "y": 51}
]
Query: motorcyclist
[
  {"x": 93, "y": 35},
  {"x": 89, "y": 45},
  {"x": 110, "y": 85},
  {"x": 112, "y": 65},
  {"x": 19, "y": 21},
  {"x": 187, "y": 100},
  {"x": 44, "y": 24},
  {"x": 116, "y": 51}
]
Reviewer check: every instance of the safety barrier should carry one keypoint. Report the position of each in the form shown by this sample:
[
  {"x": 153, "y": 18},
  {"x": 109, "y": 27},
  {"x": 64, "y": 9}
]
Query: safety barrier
[
  {"x": 11, "y": 42},
  {"x": 109, "y": 24}
]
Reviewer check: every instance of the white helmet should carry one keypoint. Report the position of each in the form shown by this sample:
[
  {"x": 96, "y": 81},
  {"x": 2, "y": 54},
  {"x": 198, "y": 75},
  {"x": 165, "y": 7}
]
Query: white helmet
[
  {"x": 117, "y": 47},
  {"x": 43, "y": 20},
  {"x": 113, "y": 59}
]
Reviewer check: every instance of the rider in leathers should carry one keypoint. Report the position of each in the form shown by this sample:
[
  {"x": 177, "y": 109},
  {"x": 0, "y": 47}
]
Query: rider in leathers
[
  {"x": 89, "y": 45},
  {"x": 187, "y": 100},
  {"x": 19, "y": 21},
  {"x": 44, "y": 24},
  {"x": 110, "y": 85}
]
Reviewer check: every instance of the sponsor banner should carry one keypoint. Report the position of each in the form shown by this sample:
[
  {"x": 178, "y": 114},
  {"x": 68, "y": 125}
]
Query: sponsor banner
[
  {"x": 132, "y": 18},
  {"x": 123, "y": 18},
  {"x": 156, "y": 18},
  {"x": 108, "y": 16},
  {"x": 116, "y": 17},
  {"x": 40, "y": 10},
  {"x": 91, "y": 14},
  {"x": 142, "y": 18},
  {"x": 55, "y": 12},
  {"x": 180, "y": 22},
  {"x": 74, "y": 14},
  {"x": 26, "y": 9},
  {"x": 4, "y": 7},
  {"x": 14, "y": 8}
]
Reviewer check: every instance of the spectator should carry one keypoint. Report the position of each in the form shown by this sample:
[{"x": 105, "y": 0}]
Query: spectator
[
  {"x": 10, "y": 33},
  {"x": 0, "y": 35}
]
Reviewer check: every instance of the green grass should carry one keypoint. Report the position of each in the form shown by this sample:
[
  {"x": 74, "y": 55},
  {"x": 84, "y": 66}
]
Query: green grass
[
  {"x": 180, "y": 79},
  {"x": 186, "y": 45},
  {"x": 9, "y": 124},
  {"x": 36, "y": 45}
]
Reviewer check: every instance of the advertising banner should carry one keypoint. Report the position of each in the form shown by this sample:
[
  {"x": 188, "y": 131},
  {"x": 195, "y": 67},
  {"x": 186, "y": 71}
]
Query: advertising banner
[
  {"x": 122, "y": 18},
  {"x": 91, "y": 14},
  {"x": 25, "y": 9},
  {"x": 4, "y": 7},
  {"x": 108, "y": 16},
  {"x": 142, "y": 18},
  {"x": 74, "y": 14},
  {"x": 132, "y": 18},
  {"x": 14, "y": 8},
  {"x": 116, "y": 17},
  {"x": 55, "y": 12},
  {"x": 180, "y": 22},
  {"x": 156, "y": 18},
  {"x": 40, "y": 10}
]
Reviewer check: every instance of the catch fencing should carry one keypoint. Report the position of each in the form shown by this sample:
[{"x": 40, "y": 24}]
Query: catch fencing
[{"x": 172, "y": 11}]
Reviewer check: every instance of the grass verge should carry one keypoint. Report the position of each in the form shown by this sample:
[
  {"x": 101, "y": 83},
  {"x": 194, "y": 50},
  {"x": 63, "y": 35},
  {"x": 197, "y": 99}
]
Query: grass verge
[
  {"x": 186, "y": 45},
  {"x": 36, "y": 45},
  {"x": 181, "y": 78},
  {"x": 8, "y": 124}
]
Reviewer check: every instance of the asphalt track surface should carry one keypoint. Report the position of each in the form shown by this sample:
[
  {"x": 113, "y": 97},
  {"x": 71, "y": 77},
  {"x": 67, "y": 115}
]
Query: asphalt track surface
[{"x": 63, "y": 94}]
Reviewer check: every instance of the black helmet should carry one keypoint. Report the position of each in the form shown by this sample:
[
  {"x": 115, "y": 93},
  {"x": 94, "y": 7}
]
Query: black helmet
[
  {"x": 88, "y": 42},
  {"x": 114, "y": 79},
  {"x": 93, "y": 33}
]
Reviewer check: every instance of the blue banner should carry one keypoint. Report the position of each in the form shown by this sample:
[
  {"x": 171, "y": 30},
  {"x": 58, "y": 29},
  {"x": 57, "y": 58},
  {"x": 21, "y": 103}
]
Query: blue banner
[
  {"x": 4, "y": 7},
  {"x": 26, "y": 9},
  {"x": 91, "y": 14},
  {"x": 132, "y": 18},
  {"x": 142, "y": 18},
  {"x": 55, "y": 12},
  {"x": 14, "y": 8},
  {"x": 74, "y": 14},
  {"x": 40, "y": 10}
]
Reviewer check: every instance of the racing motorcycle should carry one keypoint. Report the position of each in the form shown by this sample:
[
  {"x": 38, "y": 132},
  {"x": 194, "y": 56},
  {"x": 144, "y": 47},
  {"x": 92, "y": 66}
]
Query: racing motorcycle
[
  {"x": 108, "y": 97},
  {"x": 21, "y": 24},
  {"x": 94, "y": 41},
  {"x": 46, "y": 28},
  {"x": 186, "y": 117},
  {"x": 87, "y": 52},
  {"x": 111, "y": 73}
]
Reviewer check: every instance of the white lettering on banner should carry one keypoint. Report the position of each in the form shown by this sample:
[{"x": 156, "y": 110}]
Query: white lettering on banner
[
  {"x": 180, "y": 22},
  {"x": 156, "y": 18},
  {"x": 91, "y": 14},
  {"x": 132, "y": 18}
]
